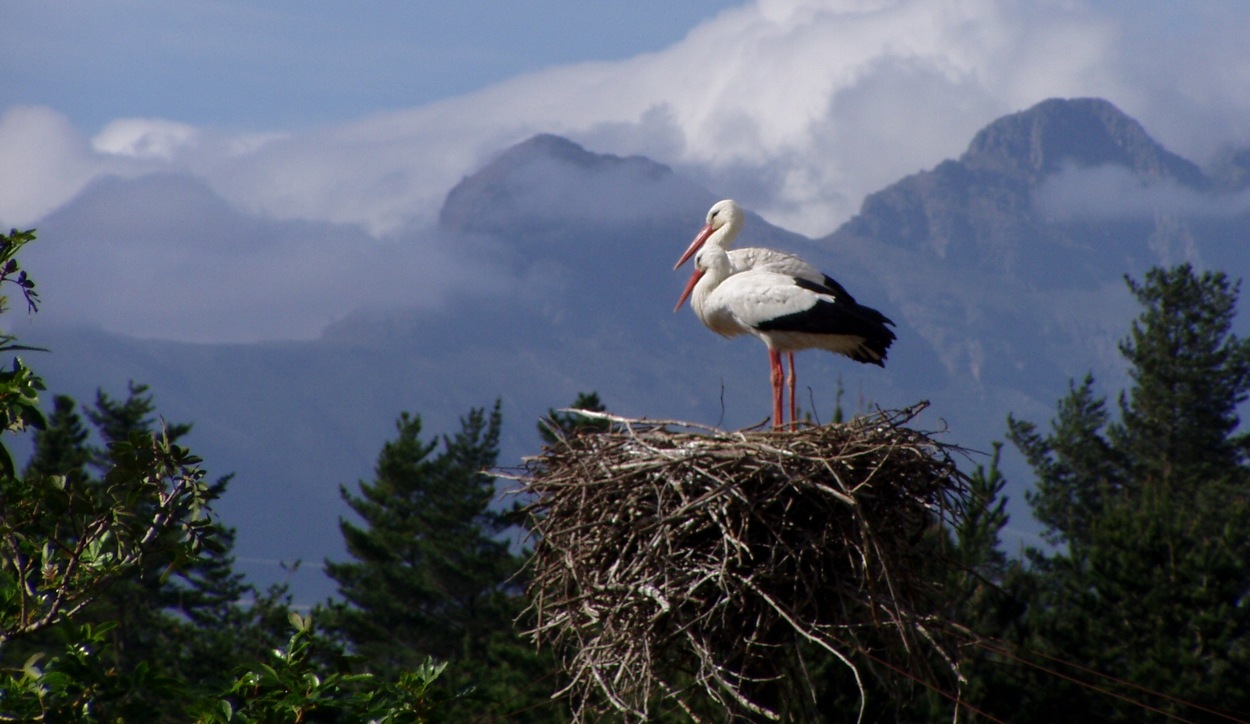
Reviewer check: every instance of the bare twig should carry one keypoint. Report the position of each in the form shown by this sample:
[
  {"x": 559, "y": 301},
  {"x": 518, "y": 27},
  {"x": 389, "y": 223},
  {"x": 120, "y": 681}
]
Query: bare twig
[{"x": 679, "y": 561}]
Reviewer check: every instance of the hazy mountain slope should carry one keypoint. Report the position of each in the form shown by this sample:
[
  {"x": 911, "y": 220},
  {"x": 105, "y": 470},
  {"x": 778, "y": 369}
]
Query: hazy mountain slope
[
  {"x": 587, "y": 243},
  {"x": 1009, "y": 261},
  {"x": 1002, "y": 268},
  {"x": 1007, "y": 285}
]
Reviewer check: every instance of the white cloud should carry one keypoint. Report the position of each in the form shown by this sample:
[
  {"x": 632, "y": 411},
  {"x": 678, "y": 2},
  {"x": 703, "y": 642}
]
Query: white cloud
[
  {"x": 797, "y": 108},
  {"x": 1113, "y": 192},
  {"x": 144, "y": 138},
  {"x": 43, "y": 163},
  {"x": 161, "y": 256}
]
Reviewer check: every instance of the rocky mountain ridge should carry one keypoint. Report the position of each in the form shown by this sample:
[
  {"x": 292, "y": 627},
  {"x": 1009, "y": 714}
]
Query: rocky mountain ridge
[{"x": 999, "y": 298}]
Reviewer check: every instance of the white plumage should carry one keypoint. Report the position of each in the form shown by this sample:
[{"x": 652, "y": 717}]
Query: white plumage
[
  {"x": 786, "y": 302},
  {"x": 724, "y": 221}
]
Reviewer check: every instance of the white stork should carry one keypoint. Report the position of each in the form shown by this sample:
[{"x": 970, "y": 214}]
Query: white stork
[
  {"x": 787, "y": 312},
  {"x": 724, "y": 221}
]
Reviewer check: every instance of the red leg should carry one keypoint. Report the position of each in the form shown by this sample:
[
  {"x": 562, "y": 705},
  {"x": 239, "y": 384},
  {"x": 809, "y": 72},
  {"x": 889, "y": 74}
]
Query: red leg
[
  {"x": 776, "y": 377},
  {"x": 793, "y": 405}
]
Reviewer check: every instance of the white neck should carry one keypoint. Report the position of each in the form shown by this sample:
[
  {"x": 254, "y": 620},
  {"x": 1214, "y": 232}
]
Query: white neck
[
  {"x": 716, "y": 261},
  {"x": 725, "y": 235}
]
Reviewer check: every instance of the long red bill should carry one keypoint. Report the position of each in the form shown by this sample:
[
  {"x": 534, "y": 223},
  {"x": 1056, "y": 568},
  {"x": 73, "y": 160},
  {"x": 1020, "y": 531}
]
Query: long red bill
[
  {"x": 694, "y": 279},
  {"x": 704, "y": 233}
]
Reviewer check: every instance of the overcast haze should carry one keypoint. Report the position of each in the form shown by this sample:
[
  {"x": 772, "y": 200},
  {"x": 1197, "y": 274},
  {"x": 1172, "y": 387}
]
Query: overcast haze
[{"x": 253, "y": 172}]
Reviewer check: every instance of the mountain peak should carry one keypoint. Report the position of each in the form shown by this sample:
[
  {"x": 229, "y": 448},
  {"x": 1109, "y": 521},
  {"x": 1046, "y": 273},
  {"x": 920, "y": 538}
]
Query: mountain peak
[
  {"x": 545, "y": 178},
  {"x": 982, "y": 210},
  {"x": 1085, "y": 132},
  {"x": 551, "y": 146}
]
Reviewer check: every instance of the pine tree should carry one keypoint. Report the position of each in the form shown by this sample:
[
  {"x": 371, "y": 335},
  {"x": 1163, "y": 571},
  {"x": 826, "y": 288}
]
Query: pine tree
[
  {"x": 61, "y": 447},
  {"x": 432, "y": 575},
  {"x": 166, "y": 618},
  {"x": 977, "y": 544},
  {"x": 1154, "y": 511},
  {"x": 115, "y": 421},
  {"x": 1077, "y": 469},
  {"x": 177, "y": 617},
  {"x": 1179, "y": 419},
  {"x": 562, "y": 424}
]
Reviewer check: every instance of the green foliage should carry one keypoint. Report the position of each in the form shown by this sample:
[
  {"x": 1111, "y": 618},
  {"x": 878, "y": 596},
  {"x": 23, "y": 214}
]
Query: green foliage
[
  {"x": 1154, "y": 515},
  {"x": 63, "y": 541},
  {"x": 19, "y": 386},
  {"x": 117, "y": 598},
  {"x": 977, "y": 534},
  {"x": 308, "y": 679},
  {"x": 985, "y": 588},
  {"x": 428, "y": 564},
  {"x": 61, "y": 447},
  {"x": 12, "y": 273},
  {"x": 1189, "y": 373},
  {"x": 563, "y": 424},
  {"x": 433, "y": 577},
  {"x": 1077, "y": 469},
  {"x": 74, "y": 686},
  {"x": 179, "y": 612},
  {"x": 66, "y": 539}
]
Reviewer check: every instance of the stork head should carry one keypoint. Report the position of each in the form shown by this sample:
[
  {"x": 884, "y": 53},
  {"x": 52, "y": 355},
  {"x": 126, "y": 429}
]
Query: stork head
[
  {"x": 712, "y": 259},
  {"x": 723, "y": 221}
]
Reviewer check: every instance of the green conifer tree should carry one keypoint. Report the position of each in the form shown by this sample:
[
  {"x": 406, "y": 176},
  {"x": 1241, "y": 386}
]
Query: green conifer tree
[
  {"x": 180, "y": 618},
  {"x": 1153, "y": 511},
  {"x": 433, "y": 575},
  {"x": 66, "y": 539},
  {"x": 562, "y": 424},
  {"x": 61, "y": 447},
  {"x": 1178, "y": 422},
  {"x": 1077, "y": 469}
]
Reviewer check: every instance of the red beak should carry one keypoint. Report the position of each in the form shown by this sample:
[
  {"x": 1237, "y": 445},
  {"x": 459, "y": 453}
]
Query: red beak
[
  {"x": 704, "y": 233},
  {"x": 694, "y": 279}
]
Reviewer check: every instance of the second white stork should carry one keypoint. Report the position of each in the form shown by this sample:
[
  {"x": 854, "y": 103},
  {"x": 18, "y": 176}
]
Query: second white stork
[
  {"x": 724, "y": 220},
  {"x": 788, "y": 313}
]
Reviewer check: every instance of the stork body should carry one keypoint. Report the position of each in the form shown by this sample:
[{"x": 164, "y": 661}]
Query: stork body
[
  {"x": 724, "y": 222},
  {"x": 787, "y": 312}
]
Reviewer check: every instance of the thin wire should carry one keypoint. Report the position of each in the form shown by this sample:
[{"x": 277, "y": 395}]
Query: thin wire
[
  {"x": 1100, "y": 690},
  {"x": 906, "y": 674}
]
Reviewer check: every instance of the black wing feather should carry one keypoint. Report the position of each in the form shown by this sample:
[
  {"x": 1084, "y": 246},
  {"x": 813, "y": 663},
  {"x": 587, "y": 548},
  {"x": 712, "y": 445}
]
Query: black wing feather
[{"x": 837, "y": 313}]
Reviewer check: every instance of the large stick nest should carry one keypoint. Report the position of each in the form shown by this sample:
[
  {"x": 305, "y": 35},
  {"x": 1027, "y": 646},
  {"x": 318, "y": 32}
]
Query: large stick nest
[{"x": 709, "y": 567}]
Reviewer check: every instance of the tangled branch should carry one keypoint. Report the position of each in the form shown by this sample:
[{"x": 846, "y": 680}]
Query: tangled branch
[{"x": 707, "y": 567}]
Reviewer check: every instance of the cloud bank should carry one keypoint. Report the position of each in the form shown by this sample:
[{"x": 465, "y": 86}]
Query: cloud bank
[
  {"x": 798, "y": 109},
  {"x": 1107, "y": 193}
]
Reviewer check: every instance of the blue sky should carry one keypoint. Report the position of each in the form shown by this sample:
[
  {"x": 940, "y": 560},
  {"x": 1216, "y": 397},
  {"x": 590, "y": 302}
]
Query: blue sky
[
  {"x": 290, "y": 64},
  {"x": 355, "y": 119}
]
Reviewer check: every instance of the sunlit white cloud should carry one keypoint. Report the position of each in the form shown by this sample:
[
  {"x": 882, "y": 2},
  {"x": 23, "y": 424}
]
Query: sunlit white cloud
[
  {"x": 797, "y": 108},
  {"x": 144, "y": 138}
]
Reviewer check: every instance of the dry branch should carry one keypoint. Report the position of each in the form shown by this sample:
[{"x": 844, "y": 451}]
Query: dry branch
[{"x": 706, "y": 566}]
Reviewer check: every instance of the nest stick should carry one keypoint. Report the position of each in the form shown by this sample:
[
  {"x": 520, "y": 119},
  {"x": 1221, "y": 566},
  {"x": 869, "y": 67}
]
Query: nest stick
[{"x": 678, "y": 561}]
